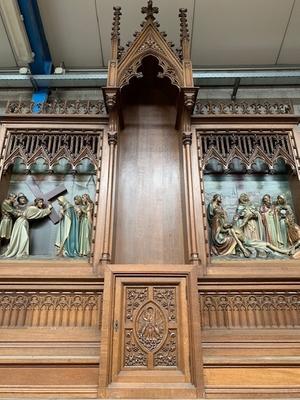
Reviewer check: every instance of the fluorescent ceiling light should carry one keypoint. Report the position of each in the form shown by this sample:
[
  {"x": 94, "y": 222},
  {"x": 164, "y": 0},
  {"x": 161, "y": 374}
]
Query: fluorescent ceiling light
[{"x": 16, "y": 31}]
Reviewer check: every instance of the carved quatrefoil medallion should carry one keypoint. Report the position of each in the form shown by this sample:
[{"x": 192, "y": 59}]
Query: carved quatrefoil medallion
[{"x": 150, "y": 327}]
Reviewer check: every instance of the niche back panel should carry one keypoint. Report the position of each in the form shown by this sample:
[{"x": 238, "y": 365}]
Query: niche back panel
[{"x": 149, "y": 222}]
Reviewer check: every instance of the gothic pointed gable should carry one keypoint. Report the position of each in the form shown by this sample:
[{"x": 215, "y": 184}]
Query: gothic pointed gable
[
  {"x": 150, "y": 42},
  {"x": 147, "y": 42}
]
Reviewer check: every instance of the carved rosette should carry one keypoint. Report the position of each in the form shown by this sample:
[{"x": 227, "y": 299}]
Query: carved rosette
[{"x": 150, "y": 335}]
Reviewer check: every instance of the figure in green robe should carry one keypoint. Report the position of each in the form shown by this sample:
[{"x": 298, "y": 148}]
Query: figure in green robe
[
  {"x": 67, "y": 234},
  {"x": 19, "y": 242},
  {"x": 85, "y": 231},
  {"x": 8, "y": 211}
]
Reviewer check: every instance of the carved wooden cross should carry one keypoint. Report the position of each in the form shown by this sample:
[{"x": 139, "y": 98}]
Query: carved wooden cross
[
  {"x": 58, "y": 191},
  {"x": 150, "y": 11}
]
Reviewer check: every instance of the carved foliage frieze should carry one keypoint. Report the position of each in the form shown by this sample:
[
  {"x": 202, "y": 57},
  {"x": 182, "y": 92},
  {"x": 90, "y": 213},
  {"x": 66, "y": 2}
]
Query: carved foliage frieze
[
  {"x": 57, "y": 107},
  {"x": 150, "y": 334},
  {"x": 52, "y": 145},
  {"x": 249, "y": 107},
  {"x": 49, "y": 309},
  {"x": 242, "y": 310}
]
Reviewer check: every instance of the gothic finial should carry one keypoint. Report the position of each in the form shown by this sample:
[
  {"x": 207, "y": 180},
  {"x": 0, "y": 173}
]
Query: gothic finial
[
  {"x": 184, "y": 29},
  {"x": 115, "y": 33},
  {"x": 150, "y": 11}
]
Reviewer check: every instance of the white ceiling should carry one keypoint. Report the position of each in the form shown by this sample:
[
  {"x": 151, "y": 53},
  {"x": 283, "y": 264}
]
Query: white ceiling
[
  {"x": 224, "y": 32},
  {"x": 7, "y": 59}
]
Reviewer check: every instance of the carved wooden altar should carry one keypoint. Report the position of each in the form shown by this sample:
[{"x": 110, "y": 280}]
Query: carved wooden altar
[{"x": 150, "y": 314}]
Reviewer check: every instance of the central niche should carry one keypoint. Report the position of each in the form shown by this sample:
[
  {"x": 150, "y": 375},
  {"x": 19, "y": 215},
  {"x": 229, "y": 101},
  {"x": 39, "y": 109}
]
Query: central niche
[{"x": 149, "y": 220}]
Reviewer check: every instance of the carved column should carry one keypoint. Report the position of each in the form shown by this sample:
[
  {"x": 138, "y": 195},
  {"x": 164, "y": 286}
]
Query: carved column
[
  {"x": 104, "y": 226},
  {"x": 189, "y": 97},
  {"x": 2, "y": 148}
]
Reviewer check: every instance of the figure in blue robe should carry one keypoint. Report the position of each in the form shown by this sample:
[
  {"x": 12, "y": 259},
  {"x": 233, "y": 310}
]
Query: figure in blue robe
[{"x": 67, "y": 234}]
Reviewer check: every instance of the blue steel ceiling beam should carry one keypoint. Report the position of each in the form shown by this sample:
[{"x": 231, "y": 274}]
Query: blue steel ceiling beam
[
  {"x": 42, "y": 64},
  {"x": 98, "y": 78}
]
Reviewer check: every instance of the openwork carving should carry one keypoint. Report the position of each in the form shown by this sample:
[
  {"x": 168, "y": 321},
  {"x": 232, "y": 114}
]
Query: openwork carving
[
  {"x": 250, "y": 310},
  {"x": 247, "y": 146},
  {"x": 41, "y": 309},
  {"x": 254, "y": 107},
  {"x": 167, "y": 299},
  {"x": 150, "y": 327},
  {"x": 168, "y": 72},
  {"x": 134, "y": 355},
  {"x": 135, "y": 298},
  {"x": 131, "y": 72},
  {"x": 57, "y": 107},
  {"x": 167, "y": 355},
  {"x": 150, "y": 42},
  {"x": 52, "y": 146}
]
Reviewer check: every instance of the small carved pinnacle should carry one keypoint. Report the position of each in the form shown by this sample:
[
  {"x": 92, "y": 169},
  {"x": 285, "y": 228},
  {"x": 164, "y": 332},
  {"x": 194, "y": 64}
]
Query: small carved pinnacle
[
  {"x": 115, "y": 33},
  {"x": 184, "y": 28},
  {"x": 179, "y": 52},
  {"x": 150, "y": 11}
]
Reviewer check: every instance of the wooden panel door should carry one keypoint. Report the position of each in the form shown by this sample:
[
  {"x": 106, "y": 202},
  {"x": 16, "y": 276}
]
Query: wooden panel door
[{"x": 149, "y": 343}]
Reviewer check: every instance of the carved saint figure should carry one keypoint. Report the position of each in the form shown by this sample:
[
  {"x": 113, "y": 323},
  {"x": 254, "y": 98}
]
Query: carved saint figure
[
  {"x": 228, "y": 239},
  {"x": 223, "y": 243},
  {"x": 267, "y": 212},
  {"x": 85, "y": 230},
  {"x": 224, "y": 239},
  {"x": 8, "y": 211},
  {"x": 150, "y": 330},
  {"x": 19, "y": 242},
  {"x": 283, "y": 211},
  {"x": 78, "y": 206},
  {"x": 67, "y": 234},
  {"x": 248, "y": 219}
]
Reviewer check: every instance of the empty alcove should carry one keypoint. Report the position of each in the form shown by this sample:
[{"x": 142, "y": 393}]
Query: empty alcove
[{"x": 149, "y": 217}]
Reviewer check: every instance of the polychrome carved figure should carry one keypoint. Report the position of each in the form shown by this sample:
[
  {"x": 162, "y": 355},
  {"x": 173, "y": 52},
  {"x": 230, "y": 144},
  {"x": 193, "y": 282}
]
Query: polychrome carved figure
[
  {"x": 19, "y": 242},
  {"x": 8, "y": 211}
]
